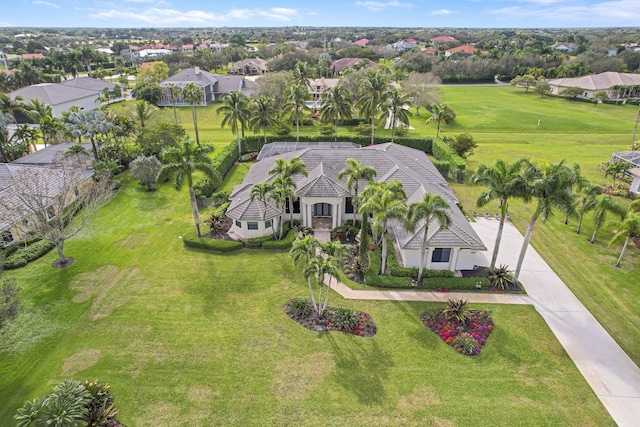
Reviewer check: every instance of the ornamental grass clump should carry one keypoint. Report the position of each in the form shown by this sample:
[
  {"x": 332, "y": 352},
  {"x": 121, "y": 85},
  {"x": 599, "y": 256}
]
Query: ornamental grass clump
[
  {"x": 456, "y": 310},
  {"x": 501, "y": 277},
  {"x": 344, "y": 318},
  {"x": 299, "y": 307}
]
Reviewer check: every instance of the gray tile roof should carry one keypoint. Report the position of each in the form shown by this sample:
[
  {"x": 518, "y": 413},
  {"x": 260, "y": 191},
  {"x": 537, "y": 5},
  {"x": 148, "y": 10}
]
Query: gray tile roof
[
  {"x": 391, "y": 161},
  {"x": 191, "y": 75},
  {"x": 47, "y": 155},
  {"x": 89, "y": 83},
  {"x": 602, "y": 81},
  {"x": 52, "y": 94}
]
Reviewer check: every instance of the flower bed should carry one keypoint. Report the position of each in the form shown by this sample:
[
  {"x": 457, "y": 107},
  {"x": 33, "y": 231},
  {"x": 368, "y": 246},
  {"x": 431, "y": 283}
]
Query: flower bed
[
  {"x": 466, "y": 338},
  {"x": 365, "y": 326}
]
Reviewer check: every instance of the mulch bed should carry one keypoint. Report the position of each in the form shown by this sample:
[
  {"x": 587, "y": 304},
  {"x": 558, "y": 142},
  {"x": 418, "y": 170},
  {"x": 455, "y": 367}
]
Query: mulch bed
[
  {"x": 223, "y": 232},
  {"x": 468, "y": 338},
  {"x": 365, "y": 327}
]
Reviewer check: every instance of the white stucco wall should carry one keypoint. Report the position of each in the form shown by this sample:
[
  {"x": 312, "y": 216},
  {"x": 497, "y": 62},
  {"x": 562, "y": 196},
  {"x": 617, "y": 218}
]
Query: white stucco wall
[
  {"x": 460, "y": 259},
  {"x": 262, "y": 231}
]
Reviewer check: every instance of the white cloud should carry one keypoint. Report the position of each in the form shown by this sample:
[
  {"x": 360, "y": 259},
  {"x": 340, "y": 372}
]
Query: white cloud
[
  {"x": 376, "y": 6},
  {"x": 443, "y": 12},
  {"x": 620, "y": 12},
  {"x": 157, "y": 16},
  {"x": 313, "y": 13},
  {"x": 278, "y": 14},
  {"x": 46, "y": 3},
  {"x": 240, "y": 14}
]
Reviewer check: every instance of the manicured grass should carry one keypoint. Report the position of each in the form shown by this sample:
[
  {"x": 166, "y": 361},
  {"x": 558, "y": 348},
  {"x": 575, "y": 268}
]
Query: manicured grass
[{"x": 187, "y": 338}]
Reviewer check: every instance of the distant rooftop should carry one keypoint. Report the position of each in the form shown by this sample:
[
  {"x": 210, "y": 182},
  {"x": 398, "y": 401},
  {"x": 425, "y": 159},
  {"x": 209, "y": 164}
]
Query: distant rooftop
[{"x": 278, "y": 148}]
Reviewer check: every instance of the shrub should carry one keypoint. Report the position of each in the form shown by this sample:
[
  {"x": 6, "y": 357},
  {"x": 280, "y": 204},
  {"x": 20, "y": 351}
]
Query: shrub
[
  {"x": 443, "y": 167},
  {"x": 204, "y": 188},
  {"x": 363, "y": 129},
  {"x": 299, "y": 307},
  {"x": 344, "y": 317},
  {"x": 445, "y": 153},
  {"x": 281, "y": 244},
  {"x": 211, "y": 244},
  {"x": 145, "y": 168},
  {"x": 501, "y": 277},
  {"x": 373, "y": 278},
  {"x": 257, "y": 242},
  {"x": 9, "y": 301},
  {"x": 467, "y": 344},
  {"x": 456, "y": 311},
  {"x": 25, "y": 255},
  {"x": 225, "y": 159},
  {"x": 463, "y": 145},
  {"x": 344, "y": 230}
]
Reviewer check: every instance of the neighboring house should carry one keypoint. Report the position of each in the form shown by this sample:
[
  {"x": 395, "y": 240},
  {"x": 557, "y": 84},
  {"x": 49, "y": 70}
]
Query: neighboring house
[
  {"x": 362, "y": 42},
  {"x": 632, "y": 159},
  {"x": 81, "y": 92},
  {"x": 461, "y": 51},
  {"x": 248, "y": 67},
  {"x": 321, "y": 195},
  {"x": 31, "y": 166},
  {"x": 213, "y": 86},
  {"x": 339, "y": 65},
  {"x": 403, "y": 46},
  {"x": 634, "y": 188},
  {"x": 318, "y": 86},
  {"x": 443, "y": 40},
  {"x": 429, "y": 51},
  {"x": 564, "y": 47},
  {"x": 621, "y": 86}
]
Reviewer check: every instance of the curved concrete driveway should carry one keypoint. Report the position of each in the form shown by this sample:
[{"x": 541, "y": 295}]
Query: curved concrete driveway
[{"x": 609, "y": 371}]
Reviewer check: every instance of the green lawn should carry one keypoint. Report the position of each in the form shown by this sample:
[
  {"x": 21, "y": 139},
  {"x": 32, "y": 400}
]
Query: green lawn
[{"x": 187, "y": 338}]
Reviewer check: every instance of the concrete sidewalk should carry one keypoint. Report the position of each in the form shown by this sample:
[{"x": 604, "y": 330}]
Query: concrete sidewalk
[{"x": 609, "y": 371}]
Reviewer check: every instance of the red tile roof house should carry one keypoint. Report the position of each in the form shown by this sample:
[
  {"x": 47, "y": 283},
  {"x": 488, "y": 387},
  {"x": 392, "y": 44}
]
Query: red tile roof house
[
  {"x": 443, "y": 40},
  {"x": 339, "y": 65},
  {"x": 461, "y": 51},
  {"x": 361, "y": 42}
]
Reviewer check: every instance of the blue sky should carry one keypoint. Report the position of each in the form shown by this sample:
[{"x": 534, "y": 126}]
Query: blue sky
[{"x": 268, "y": 13}]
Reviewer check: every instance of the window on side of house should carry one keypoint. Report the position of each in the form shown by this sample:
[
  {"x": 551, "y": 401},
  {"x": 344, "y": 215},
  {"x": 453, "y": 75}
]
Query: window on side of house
[
  {"x": 238, "y": 224},
  {"x": 267, "y": 224},
  {"x": 348, "y": 205},
  {"x": 252, "y": 225},
  {"x": 7, "y": 237},
  {"x": 441, "y": 255}
]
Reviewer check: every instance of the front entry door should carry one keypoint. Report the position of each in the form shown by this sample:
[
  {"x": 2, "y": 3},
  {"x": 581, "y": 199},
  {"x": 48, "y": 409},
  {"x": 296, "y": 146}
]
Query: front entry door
[{"x": 322, "y": 210}]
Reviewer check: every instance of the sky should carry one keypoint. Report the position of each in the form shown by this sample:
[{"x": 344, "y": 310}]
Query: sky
[{"x": 321, "y": 13}]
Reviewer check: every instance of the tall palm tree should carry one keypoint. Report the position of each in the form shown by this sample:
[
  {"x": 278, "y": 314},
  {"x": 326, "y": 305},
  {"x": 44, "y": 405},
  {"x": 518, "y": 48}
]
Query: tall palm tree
[
  {"x": 88, "y": 124},
  {"x": 616, "y": 170},
  {"x": 287, "y": 169},
  {"x": 385, "y": 201},
  {"x": 604, "y": 203},
  {"x": 87, "y": 55},
  {"x": 578, "y": 182},
  {"x": 503, "y": 182},
  {"x": 396, "y": 109},
  {"x": 587, "y": 201},
  {"x": 295, "y": 98},
  {"x": 174, "y": 93},
  {"x": 550, "y": 186},
  {"x": 354, "y": 173},
  {"x": 263, "y": 114},
  {"x": 194, "y": 95},
  {"x": 373, "y": 91},
  {"x": 317, "y": 268},
  {"x": 432, "y": 207},
  {"x": 628, "y": 228},
  {"x": 143, "y": 112},
  {"x": 280, "y": 193},
  {"x": 181, "y": 162},
  {"x": 336, "y": 105},
  {"x": 261, "y": 192},
  {"x": 11, "y": 106},
  {"x": 303, "y": 250},
  {"x": 235, "y": 107},
  {"x": 27, "y": 135},
  {"x": 302, "y": 74},
  {"x": 440, "y": 115}
]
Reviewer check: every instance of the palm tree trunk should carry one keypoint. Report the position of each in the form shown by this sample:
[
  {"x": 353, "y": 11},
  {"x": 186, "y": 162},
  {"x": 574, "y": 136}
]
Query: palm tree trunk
[
  {"x": 393, "y": 130},
  {"x": 195, "y": 123},
  {"x": 423, "y": 257},
  {"x": 313, "y": 297},
  {"x": 95, "y": 149},
  {"x": 326, "y": 298},
  {"x": 525, "y": 245},
  {"x": 175, "y": 113},
  {"x": 373, "y": 129},
  {"x": 194, "y": 209},
  {"x": 335, "y": 134},
  {"x": 624, "y": 248},
  {"x": 595, "y": 232},
  {"x": 265, "y": 135},
  {"x": 297, "y": 130},
  {"x": 580, "y": 221},
  {"x": 496, "y": 246},
  {"x": 383, "y": 261},
  {"x": 438, "y": 129},
  {"x": 239, "y": 147}
]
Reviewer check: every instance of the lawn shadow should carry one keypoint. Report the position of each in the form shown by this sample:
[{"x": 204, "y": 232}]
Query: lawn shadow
[
  {"x": 413, "y": 311},
  {"x": 361, "y": 368}
]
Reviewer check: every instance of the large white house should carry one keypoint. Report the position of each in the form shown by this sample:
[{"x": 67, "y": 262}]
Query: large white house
[{"x": 321, "y": 195}]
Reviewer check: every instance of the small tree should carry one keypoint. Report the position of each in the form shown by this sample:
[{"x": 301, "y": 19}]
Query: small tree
[
  {"x": 628, "y": 228},
  {"x": 543, "y": 88},
  {"x": 463, "y": 145},
  {"x": 572, "y": 92},
  {"x": 146, "y": 168},
  {"x": 56, "y": 202},
  {"x": 527, "y": 81}
]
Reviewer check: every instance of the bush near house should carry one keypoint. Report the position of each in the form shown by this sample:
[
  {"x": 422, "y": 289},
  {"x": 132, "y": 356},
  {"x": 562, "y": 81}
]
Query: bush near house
[{"x": 23, "y": 255}]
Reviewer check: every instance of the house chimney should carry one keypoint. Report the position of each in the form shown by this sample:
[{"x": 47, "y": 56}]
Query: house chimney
[{"x": 197, "y": 70}]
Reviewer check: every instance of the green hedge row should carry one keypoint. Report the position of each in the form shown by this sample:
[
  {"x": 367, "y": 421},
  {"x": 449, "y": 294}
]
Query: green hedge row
[
  {"x": 373, "y": 278},
  {"x": 24, "y": 255},
  {"x": 225, "y": 159},
  {"x": 211, "y": 244},
  {"x": 395, "y": 269},
  {"x": 281, "y": 244},
  {"x": 445, "y": 153},
  {"x": 443, "y": 167}
]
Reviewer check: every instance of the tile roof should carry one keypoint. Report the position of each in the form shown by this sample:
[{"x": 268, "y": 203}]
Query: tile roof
[
  {"x": 391, "y": 161},
  {"x": 89, "y": 83},
  {"x": 192, "y": 75},
  {"x": 52, "y": 94},
  {"x": 602, "y": 81}
]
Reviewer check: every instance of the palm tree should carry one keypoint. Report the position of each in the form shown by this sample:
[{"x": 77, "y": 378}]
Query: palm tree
[
  {"x": 396, "y": 109},
  {"x": 303, "y": 250},
  {"x": 604, "y": 203},
  {"x": 616, "y": 170},
  {"x": 440, "y": 115},
  {"x": 88, "y": 124},
  {"x": 235, "y": 107},
  {"x": 182, "y": 161},
  {"x": 87, "y": 55},
  {"x": 143, "y": 112},
  {"x": 280, "y": 193},
  {"x": 503, "y": 181},
  {"x": 629, "y": 228},
  {"x": 11, "y": 106},
  {"x": 174, "y": 93},
  {"x": 336, "y": 106},
  {"x": 432, "y": 207},
  {"x": 354, "y": 172},
  {"x": 302, "y": 74},
  {"x": 317, "y": 267},
  {"x": 386, "y": 201},
  {"x": 550, "y": 185},
  {"x": 373, "y": 90},
  {"x": 295, "y": 98},
  {"x": 587, "y": 201},
  {"x": 194, "y": 95},
  {"x": 261, "y": 192},
  {"x": 287, "y": 169},
  {"x": 578, "y": 182},
  {"x": 27, "y": 135},
  {"x": 263, "y": 114}
]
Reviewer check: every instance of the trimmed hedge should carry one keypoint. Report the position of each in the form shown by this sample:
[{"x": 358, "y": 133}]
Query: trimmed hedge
[
  {"x": 395, "y": 269},
  {"x": 225, "y": 159},
  {"x": 257, "y": 242},
  {"x": 443, "y": 167},
  {"x": 280, "y": 244},
  {"x": 446, "y": 154},
  {"x": 24, "y": 255},
  {"x": 373, "y": 278},
  {"x": 211, "y": 244}
]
